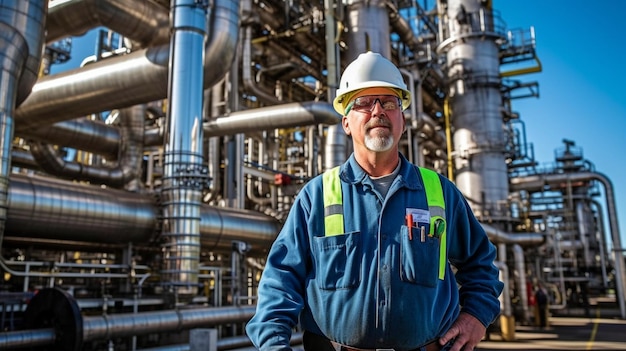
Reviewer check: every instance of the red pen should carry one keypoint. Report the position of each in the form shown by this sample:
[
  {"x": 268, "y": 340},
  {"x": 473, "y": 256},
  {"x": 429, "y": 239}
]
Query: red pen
[{"x": 409, "y": 224}]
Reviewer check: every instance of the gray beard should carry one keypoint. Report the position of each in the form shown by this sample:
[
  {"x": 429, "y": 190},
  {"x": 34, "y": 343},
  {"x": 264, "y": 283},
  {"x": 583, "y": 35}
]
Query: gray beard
[{"x": 379, "y": 143}]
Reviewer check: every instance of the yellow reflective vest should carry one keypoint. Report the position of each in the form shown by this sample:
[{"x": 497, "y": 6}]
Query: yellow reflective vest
[{"x": 333, "y": 208}]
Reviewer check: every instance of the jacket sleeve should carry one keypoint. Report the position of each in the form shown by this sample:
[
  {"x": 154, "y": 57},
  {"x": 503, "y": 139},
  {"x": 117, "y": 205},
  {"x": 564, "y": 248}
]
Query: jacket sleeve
[
  {"x": 473, "y": 255},
  {"x": 281, "y": 288}
]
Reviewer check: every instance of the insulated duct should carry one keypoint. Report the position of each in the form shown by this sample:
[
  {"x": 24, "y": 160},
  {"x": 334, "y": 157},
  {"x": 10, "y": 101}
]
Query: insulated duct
[
  {"x": 116, "y": 174},
  {"x": 28, "y": 18},
  {"x": 55, "y": 210},
  {"x": 144, "y": 22},
  {"x": 184, "y": 175},
  {"x": 498, "y": 236},
  {"x": 21, "y": 30},
  {"x": 273, "y": 117}
]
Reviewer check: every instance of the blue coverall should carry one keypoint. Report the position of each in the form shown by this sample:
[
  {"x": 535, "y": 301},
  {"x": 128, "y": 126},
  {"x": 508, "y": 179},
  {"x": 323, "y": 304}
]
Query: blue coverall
[{"x": 373, "y": 287}]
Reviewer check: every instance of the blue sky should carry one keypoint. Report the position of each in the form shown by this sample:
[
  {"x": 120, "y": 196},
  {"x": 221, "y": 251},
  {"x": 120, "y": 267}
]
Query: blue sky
[
  {"x": 581, "y": 93},
  {"x": 581, "y": 87}
]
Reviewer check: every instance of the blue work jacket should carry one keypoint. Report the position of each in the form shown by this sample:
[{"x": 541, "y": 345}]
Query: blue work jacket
[{"x": 374, "y": 287}]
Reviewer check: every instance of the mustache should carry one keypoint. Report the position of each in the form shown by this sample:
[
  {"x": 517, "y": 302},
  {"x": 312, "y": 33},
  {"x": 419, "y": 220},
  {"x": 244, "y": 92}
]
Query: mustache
[{"x": 378, "y": 122}]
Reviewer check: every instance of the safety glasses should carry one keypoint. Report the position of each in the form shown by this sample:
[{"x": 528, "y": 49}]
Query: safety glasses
[{"x": 366, "y": 103}]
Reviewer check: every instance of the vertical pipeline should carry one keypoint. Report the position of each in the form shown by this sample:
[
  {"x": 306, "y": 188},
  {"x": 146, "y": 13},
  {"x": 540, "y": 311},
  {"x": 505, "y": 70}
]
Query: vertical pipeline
[
  {"x": 13, "y": 53},
  {"x": 184, "y": 175},
  {"x": 21, "y": 29}
]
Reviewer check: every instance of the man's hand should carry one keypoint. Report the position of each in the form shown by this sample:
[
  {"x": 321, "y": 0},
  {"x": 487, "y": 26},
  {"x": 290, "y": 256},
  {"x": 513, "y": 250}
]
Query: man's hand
[{"x": 467, "y": 332}]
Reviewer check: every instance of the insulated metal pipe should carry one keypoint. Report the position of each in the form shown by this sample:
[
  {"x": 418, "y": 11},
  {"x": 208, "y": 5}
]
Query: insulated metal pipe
[
  {"x": 144, "y": 22},
  {"x": 110, "y": 326},
  {"x": 125, "y": 172},
  {"x": 184, "y": 175},
  {"x": 271, "y": 117},
  {"x": 13, "y": 54},
  {"x": 498, "y": 236},
  {"x": 21, "y": 33},
  {"x": 27, "y": 17},
  {"x": 54, "y": 210},
  {"x": 47, "y": 208},
  {"x": 82, "y": 134},
  {"x": 120, "y": 325},
  {"x": 27, "y": 338}
]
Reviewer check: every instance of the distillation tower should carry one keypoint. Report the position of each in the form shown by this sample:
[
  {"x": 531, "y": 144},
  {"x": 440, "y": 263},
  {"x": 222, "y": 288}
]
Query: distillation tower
[{"x": 141, "y": 188}]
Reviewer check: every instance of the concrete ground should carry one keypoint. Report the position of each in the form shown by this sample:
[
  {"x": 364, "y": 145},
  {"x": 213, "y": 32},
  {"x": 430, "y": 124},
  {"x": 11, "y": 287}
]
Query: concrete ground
[{"x": 565, "y": 333}]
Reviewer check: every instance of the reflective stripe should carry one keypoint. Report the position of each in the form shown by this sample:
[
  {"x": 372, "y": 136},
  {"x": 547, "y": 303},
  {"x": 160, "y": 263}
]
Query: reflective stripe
[
  {"x": 437, "y": 208},
  {"x": 333, "y": 202}
]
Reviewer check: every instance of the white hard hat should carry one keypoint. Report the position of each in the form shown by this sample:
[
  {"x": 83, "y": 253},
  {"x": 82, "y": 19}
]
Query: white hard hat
[{"x": 370, "y": 70}]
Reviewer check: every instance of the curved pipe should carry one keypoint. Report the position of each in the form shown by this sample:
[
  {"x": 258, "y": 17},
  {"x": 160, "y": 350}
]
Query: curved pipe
[
  {"x": 23, "y": 159},
  {"x": 142, "y": 21},
  {"x": 247, "y": 76},
  {"x": 82, "y": 134},
  {"x": 123, "y": 81},
  {"x": 505, "y": 297},
  {"x": 13, "y": 54},
  {"x": 524, "y": 239},
  {"x": 537, "y": 182},
  {"x": 28, "y": 18},
  {"x": 127, "y": 169}
]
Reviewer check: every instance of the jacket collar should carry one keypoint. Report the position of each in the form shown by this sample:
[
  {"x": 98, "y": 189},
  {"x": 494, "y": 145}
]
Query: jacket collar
[{"x": 351, "y": 172}]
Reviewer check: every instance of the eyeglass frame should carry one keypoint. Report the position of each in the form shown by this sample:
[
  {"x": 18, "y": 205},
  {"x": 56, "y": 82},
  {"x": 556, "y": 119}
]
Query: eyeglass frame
[{"x": 376, "y": 99}]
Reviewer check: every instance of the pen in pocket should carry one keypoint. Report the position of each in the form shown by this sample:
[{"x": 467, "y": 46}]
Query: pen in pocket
[{"x": 409, "y": 225}]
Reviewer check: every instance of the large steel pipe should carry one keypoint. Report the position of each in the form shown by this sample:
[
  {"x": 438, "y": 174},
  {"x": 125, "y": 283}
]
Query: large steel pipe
[
  {"x": 26, "y": 17},
  {"x": 128, "y": 324},
  {"x": 54, "y": 210}
]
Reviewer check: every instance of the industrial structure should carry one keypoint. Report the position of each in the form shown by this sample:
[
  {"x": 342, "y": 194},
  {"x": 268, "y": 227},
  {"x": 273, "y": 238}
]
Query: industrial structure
[{"x": 141, "y": 190}]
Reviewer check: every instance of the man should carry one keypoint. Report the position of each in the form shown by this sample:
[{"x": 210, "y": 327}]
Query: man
[
  {"x": 364, "y": 258},
  {"x": 541, "y": 298}
]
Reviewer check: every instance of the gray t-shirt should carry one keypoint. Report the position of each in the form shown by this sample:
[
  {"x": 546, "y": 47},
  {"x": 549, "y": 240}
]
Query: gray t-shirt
[{"x": 383, "y": 183}]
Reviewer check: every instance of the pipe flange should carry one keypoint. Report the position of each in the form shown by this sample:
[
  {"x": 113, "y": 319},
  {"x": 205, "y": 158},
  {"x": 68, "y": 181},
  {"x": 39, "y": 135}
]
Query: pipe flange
[{"x": 55, "y": 308}]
